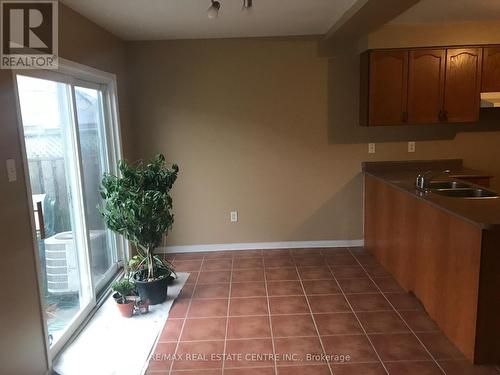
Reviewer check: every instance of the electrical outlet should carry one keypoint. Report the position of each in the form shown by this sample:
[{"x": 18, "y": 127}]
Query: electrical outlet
[
  {"x": 11, "y": 170},
  {"x": 234, "y": 216},
  {"x": 411, "y": 146},
  {"x": 371, "y": 148}
]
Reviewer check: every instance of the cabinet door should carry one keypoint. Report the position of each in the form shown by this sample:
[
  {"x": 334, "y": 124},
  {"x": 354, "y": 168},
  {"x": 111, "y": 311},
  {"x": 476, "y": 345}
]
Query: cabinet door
[
  {"x": 426, "y": 85},
  {"x": 462, "y": 84},
  {"x": 491, "y": 69},
  {"x": 388, "y": 87}
]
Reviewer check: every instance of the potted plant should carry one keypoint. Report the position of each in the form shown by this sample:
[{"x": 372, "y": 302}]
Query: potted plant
[
  {"x": 124, "y": 288},
  {"x": 138, "y": 206}
]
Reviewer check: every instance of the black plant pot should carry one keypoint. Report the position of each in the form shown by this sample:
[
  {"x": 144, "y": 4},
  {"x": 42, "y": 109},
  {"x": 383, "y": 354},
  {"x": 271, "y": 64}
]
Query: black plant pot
[{"x": 155, "y": 291}]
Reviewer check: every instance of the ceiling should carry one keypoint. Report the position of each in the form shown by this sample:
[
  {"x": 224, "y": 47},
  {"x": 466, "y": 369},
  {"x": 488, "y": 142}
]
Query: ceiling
[
  {"x": 438, "y": 11},
  {"x": 187, "y": 19}
]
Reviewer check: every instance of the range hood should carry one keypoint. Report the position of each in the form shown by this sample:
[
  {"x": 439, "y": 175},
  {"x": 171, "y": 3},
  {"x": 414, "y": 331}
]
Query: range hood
[{"x": 490, "y": 99}]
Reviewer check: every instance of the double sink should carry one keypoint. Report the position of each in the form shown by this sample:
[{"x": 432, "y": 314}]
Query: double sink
[{"x": 459, "y": 189}]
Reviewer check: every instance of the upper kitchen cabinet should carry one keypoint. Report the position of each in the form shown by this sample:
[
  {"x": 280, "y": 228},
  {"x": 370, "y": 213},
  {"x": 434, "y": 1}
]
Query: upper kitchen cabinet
[
  {"x": 384, "y": 89},
  {"x": 462, "y": 84},
  {"x": 426, "y": 77},
  {"x": 491, "y": 69}
]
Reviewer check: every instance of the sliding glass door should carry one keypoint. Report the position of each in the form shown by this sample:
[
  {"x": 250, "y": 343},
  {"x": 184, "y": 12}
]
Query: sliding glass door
[{"x": 69, "y": 135}]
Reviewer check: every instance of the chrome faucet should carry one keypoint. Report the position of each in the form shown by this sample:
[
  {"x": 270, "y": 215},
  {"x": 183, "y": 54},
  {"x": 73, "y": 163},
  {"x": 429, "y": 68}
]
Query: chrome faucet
[{"x": 424, "y": 180}]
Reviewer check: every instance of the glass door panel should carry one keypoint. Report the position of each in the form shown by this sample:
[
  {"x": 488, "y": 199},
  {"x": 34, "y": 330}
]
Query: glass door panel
[
  {"x": 93, "y": 147},
  {"x": 50, "y": 143}
]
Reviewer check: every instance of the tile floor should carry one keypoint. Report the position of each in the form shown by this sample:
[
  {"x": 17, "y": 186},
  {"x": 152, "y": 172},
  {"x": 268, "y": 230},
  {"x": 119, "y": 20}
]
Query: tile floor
[{"x": 278, "y": 312}]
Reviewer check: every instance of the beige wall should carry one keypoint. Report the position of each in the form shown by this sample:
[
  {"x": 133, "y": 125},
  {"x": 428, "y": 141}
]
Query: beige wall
[
  {"x": 22, "y": 349},
  {"x": 254, "y": 124}
]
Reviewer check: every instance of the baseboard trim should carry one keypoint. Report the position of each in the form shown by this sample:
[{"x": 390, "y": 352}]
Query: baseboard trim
[{"x": 259, "y": 245}]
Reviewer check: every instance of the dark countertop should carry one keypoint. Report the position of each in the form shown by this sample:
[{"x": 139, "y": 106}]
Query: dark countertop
[{"x": 484, "y": 213}]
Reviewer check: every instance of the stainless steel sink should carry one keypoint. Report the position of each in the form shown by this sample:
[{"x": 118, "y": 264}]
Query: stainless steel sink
[
  {"x": 466, "y": 193},
  {"x": 447, "y": 185}
]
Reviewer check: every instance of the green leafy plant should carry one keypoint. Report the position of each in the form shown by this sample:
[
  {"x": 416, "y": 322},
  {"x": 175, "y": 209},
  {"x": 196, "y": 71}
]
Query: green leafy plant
[
  {"x": 124, "y": 288},
  {"x": 138, "y": 206}
]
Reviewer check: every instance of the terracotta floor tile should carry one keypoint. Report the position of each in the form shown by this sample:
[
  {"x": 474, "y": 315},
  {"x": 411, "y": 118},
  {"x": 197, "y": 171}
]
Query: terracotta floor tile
[
  {"x": 376, "y": 270},
  {"x": 358, "y": 286},
  {"x": 162, "y": 356},
  {"x": 439, "y": 345},
  {"x": 419, "y": 321},
  {"x": 199, "y": 355},
  {"x": 366, "y": 259},
  {"x": 248, "y": 290},
  {"x": 309, "y": 260},
  {"x": 413, "y": 368},
  {"x": 248, "y": 263},
  {"x": 289, "y": 305},
  {"x": 208, "y": 308},
  {"x": 348, "y": 272},
  {"x": 388, "y": 285},
  {"x": 345, "y": 259},
  {"x": 304, "y": 370},
  {"x": 248, "y": 306},
  {"x": 179, "y": 309},
  {"x": 186, "y": 292},
  {"x": 463, "y": 367},
  {"x": 187, "y": 265},
  {"x": 357, "y": 347},
  {"x": 248, "y": 327},
  {"x": 328, "y": 303},
  {"x": 211, "y": 291},
  {"x": 404, "y": 301},
  {"x": 219, "y": 255},
  {"x": 189, "y": 256},
  {"x": 287, "y": 273},
  {"x": 249, "y": 353},
  {"x": 300, "y": 349},
  {"x": 217, "y": 265},
  {"x": 250, "y": 275},
  {"x": 250, "y": 371},
  {"x": 284, "y": 288},
  {"x": 315, "y": 273},
  {"x": 171, "y": 331},
  {"x": 305, "y": 252},
  {"x": 320, "y": 287},
  {"x": 368, "y": 302},
  {"x": 399, "y": 347},
  {"x": 275, "y": 252},
  {"x": 198, "y": 372},
  {"x": 359, "y": 369},
  {"x": 192, "y": 277},
  {"x": 248, "y": 253},
  {"x": 211, "y": 277},
  {"x": 278, "y": 261},
  {"x": 382, "y": 322},
  {"x": 204, "y": 329},
  {"x": 337, "y": 324},
  {"x": 293, "y": 325}
]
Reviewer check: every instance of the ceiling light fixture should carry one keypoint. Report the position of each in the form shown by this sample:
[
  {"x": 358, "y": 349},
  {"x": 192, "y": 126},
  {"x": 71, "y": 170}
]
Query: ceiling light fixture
[{"x": 213, "y": 10}]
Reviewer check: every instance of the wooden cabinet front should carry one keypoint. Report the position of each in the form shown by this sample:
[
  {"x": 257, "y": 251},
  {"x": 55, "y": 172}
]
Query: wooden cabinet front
[
  {"x": 387, "y": 95},
  {"x": 462, "y": 84},
  {"x": 426, "y": 71},
  {"x": 491, "y": 69}
]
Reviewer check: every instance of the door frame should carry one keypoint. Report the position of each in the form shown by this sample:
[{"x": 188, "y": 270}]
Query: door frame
[{"x": 74, "y": 74}]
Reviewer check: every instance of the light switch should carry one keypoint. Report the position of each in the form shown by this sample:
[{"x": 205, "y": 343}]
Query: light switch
[
  {"x": 234, "y": 216},
  {"x": 371, "y": 148},
  {"x": 11, "y": 170}
]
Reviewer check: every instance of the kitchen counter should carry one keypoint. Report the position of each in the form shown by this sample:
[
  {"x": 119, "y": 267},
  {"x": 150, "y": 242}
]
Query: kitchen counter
[{"x": 481, "y": 212}]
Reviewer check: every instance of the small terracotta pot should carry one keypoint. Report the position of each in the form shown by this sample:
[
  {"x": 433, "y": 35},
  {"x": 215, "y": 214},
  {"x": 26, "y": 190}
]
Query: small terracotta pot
[{"x": 126, "y": 309}]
